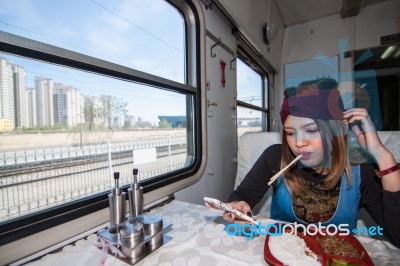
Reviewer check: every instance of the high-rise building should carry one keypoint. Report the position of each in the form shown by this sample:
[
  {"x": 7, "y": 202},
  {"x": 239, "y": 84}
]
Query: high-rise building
[
  {"x": 7, "y": 110},
  {"x": 20, "y": 104},
  {"x": 31, "y": 107},
  {"x": 12, "y": 93},
  {"x": 74, "y": 106},
  {"x": 60, "y": 105},
  {"x": 44, "y": 101},
  {"x": 68, "y": 105}
]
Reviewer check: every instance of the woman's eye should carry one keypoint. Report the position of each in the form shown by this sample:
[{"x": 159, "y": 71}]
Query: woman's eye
[
  {"x": 289, "y": 133},
  {"x": 314, "y": 130}
]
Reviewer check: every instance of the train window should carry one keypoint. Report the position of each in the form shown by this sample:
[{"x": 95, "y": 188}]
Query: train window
[
  {"x": 251, "y": 99},
  {"x": 128, "y": 33},
  {"x": 101, "y": 87}
]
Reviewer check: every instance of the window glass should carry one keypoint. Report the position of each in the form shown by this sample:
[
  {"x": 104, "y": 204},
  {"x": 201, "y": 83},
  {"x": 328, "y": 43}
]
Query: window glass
[
  {"x": 252, "y": 100},
  {"x": 69, "y": 121},
  {"x": 66, "y": 130},
  {"x": 132, "y": 33},
  {"x": 249, "y": 85},
  {"x": 248, "y": 120}
]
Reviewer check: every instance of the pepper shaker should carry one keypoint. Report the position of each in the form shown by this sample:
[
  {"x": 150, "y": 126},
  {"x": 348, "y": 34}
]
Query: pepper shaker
[
  {"x": 135, "y": 193},
  {"x": 116, "y": 201}
]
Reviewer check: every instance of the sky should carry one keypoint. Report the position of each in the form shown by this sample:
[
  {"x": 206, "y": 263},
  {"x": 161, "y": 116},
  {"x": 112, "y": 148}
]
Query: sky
[
  {"x": 249, "y": 84},
  {"x": 124, "y": 32},
  {"x": 249, "y": 90}
]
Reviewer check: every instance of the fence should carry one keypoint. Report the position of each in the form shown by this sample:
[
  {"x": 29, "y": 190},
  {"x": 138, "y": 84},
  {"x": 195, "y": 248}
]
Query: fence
[{"x": 34, "y": 180}]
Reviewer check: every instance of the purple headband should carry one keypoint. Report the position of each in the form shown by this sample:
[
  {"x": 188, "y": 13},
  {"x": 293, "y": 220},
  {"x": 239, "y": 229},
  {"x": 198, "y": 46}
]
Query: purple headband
[{"x": 315, "y": 104}]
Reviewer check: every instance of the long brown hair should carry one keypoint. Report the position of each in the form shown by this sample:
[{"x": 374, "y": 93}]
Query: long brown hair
[{"x": 334, "y": 139}]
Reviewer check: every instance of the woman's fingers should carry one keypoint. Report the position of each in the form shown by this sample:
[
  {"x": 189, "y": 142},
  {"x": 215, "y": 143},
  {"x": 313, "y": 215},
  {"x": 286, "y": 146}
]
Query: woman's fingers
[
  {"x": 241, "y": 206},
  {"x": 364, "y": 129},
  {"x": 230, "y": 217},
  {"x": 210, "y": 205},
  {"x": 360, "y": 135},
  {"x": 353, "y": 115},
  {"x": 227, "y": 215}
]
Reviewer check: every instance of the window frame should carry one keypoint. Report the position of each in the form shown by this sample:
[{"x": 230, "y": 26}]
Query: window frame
[{"x": 154, "y": 189}]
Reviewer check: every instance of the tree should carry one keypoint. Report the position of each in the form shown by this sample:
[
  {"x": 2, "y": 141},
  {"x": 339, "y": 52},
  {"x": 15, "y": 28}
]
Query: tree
[
  {"x": 142, "y": 124},
  {"x": 113, "y": 107},
  {"x": 127, "y": 125},
  {"x": 164, "y": 124},
  {"x": 91, "y": 112}
]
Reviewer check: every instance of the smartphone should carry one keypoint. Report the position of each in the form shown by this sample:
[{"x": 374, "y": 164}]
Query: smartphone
[{"x": 222, "y": 206}]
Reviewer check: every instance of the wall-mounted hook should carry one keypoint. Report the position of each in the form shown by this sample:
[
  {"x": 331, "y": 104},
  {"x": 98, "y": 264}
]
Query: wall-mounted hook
[
  {"x": 233, "y": 66},
  {"x": 209, "y": 113},
  {"x": 211, "y": 103},
  {"x": 212, "y": 47},
  {"x": 210, "y": 171}
]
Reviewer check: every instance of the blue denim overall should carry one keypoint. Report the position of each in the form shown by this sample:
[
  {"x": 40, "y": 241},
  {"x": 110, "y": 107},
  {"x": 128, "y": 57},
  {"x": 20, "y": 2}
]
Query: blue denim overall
[{"x": 346, "y": 211}]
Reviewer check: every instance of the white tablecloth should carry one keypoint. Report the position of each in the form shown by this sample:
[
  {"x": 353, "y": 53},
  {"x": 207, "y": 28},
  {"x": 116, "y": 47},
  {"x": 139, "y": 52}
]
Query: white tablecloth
[{"x": 199, "y": 238}]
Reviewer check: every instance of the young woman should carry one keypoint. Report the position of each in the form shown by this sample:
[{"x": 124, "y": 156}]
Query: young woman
[{"x": 323, "y": 186}]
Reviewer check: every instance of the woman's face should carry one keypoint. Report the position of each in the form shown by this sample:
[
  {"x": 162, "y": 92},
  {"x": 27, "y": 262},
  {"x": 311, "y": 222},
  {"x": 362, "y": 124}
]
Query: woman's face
[{"x": 303, "y": 137}]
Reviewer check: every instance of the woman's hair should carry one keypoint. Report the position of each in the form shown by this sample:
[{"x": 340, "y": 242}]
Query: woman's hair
[
  {"x": 319, "y": 100},
  {"x": 334, "y": 140}
]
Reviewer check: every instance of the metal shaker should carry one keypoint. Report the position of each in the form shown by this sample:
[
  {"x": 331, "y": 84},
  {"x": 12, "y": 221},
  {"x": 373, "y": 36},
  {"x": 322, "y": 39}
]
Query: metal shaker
[
  {"x": 135, "y": 193},
  {"x": 132, "y": 237},
  {"x": 116, "y": 200},
  {"x": 153, "y": 226}
]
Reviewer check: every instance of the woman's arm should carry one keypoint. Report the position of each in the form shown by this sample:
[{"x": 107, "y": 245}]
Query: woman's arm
[
  {"x": 383, "y": 206},
  {"x": 381, "y": 199},
  {"x": 368, "y": 138}
]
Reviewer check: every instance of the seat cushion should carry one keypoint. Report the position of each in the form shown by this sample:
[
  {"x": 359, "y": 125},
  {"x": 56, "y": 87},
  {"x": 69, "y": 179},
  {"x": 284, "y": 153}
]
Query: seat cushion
[
  {"x": 251, "y": 146},
  {"x": 391, "y": 140}
]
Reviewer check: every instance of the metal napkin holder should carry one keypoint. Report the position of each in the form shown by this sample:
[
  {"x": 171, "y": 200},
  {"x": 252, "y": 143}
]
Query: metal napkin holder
[{"x": 137, "y": 237}]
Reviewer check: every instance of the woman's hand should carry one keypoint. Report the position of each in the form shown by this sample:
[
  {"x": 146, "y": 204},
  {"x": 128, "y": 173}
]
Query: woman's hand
[
  {"x": 241, "y": 206},
  {"x": 362, "y": 126}
]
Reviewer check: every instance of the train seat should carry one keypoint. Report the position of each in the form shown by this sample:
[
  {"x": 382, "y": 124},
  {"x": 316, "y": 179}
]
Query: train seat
[
  {"x": 251, "y": 146},
  {"x": 391, "y": 140}
]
